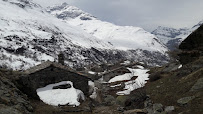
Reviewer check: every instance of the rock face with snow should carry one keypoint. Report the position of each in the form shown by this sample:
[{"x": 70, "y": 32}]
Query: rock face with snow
[
  {"x": 32, "y": 35},
  {"x": 172, "y": 37}
]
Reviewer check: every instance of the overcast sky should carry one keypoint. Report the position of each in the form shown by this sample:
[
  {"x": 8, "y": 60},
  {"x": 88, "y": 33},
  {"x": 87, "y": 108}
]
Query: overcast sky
[{"x": 147, "y": 14}]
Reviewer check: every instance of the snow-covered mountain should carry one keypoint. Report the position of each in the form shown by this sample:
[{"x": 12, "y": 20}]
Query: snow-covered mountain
[
  {"x": 122, "y": 37},
  {"x": 172, "y": 37},
  {"x": 30, "y": 35}
]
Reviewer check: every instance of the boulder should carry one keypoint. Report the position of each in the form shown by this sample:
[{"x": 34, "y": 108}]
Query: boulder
[
  {"x": 169, "y": 109},
  {"x": 157, "y": 107},
  {"x": 198, "y": 85},
  {"x": 109, "y": 100},
  {"x": 183, "y": 101},
  {"x": 121, "y": 100}
]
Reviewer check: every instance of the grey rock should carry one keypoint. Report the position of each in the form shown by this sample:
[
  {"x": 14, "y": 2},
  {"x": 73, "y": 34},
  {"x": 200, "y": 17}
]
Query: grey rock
[
  {"x": 12, "y": 100},
  {"x": 158, "y": 107},
  {"x": 149, "y": 110},
  {"x": 120, "y": 100},
  {"x": 169, "y": 109},
  {"x": 185, "y": 100},
  {"x": 109, "y": 100},
  {"x": 98, "y": 84},
  {"x": 198, "y": 85},
  {"x": 148, "y": 103},
  {"x": 8, "y": 110}
]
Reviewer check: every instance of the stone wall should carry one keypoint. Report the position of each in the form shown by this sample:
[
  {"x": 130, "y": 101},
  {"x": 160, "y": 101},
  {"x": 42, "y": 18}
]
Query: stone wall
[{"x": 52, "y": 75}]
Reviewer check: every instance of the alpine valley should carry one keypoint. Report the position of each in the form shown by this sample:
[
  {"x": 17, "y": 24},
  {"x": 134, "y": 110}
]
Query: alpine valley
[{"x": 60, "y": 60}]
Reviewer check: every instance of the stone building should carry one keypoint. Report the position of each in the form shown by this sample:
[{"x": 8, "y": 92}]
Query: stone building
[{"x": 50, "y": 73}]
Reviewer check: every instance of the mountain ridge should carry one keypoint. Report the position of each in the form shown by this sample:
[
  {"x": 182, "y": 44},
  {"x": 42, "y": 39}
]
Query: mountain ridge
[
  {"x": 172, "y": 37},
  {"x": 122, "y": 37},
  {"x": 32, "y": 36}
]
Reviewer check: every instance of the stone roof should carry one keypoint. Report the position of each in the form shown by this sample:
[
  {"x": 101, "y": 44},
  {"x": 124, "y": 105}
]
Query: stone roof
[
  {"x": 49, "y": 63},
  {"x": 116, "y": 69}
]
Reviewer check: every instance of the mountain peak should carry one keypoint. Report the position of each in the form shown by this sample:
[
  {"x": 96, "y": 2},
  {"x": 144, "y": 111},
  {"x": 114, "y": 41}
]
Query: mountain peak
[
  {"x": 197, "y": 25},
  {"x": 122, "y": 37},
  {"x": 66, "y": 11}
]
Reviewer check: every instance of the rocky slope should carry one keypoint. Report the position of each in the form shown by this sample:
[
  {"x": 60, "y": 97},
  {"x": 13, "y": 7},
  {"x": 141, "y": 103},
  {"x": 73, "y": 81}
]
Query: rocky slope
[
  {"x": 181, "y": 85},
  {"x": 12, "y": 100},
  {"x": 32, "y": 35},
  {"x": 192, "y": 47},
  {"x": 172, "y": 37}
]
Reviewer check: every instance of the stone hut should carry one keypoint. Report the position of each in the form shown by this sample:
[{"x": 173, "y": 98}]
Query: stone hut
[
  {"x": 115, "y": 72},
  {"x": 50, "y": 73}
]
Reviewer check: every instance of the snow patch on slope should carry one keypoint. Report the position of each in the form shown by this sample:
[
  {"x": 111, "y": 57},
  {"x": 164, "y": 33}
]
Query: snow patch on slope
[{"x": 139, "y": 82}]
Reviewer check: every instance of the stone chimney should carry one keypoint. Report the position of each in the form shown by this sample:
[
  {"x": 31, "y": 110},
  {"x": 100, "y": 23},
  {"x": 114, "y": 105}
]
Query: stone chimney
[{"x": 61, "y": 58}]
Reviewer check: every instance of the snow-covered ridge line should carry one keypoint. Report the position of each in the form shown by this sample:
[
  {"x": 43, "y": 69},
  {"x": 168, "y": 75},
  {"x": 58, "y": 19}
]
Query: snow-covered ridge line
[
  {"x": 122, "y": 37},
  {"x": 172, "y": 37}
]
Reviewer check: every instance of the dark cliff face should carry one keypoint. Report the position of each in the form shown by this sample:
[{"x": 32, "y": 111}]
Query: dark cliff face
[
  {"x": 194, "y": 41},
  {"x": 192, "y": 47}
]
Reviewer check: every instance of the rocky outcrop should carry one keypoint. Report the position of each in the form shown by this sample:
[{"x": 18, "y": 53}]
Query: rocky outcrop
[
  {"x": 194, "y": 41},
  {"x": 198, "y": 86},
  {"x": 192, "y": 46},
  {"x": 12, "y": 100},
  {"x": 183, "y": 101}
]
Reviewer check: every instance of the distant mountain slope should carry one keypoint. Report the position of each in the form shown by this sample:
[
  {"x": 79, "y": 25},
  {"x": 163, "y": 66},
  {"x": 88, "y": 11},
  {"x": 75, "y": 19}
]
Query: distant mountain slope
[
  {"x": 172, "y": 37},
  {"x": 30, "y": 35},
  {"x": 122, "y": 37}
]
